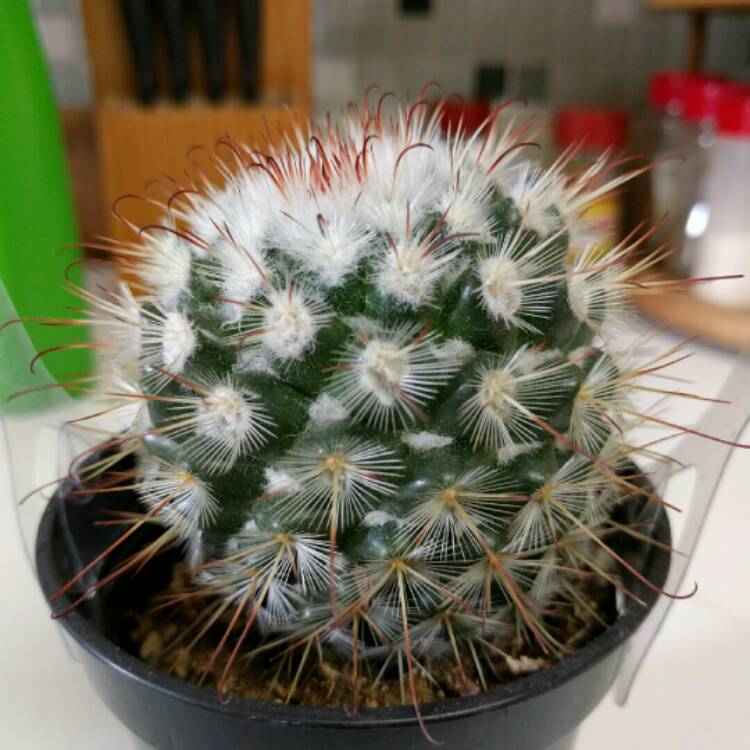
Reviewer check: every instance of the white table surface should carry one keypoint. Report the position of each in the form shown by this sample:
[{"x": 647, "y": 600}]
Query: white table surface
[{"x": 692, "y": 694}]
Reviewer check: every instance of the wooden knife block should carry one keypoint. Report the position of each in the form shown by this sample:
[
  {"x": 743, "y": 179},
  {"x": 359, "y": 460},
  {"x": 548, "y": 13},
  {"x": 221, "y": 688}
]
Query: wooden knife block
[{"x": 144, "y": 149}]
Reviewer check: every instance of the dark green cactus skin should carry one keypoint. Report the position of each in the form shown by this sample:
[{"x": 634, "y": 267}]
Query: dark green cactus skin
[{"x": 456, "y": 312}]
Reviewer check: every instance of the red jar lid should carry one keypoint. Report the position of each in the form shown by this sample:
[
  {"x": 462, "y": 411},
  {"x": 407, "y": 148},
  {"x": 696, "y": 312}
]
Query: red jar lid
[
  {"x": 667, "y": 89},
  {"x": 468, "y": 116},
  {"x": 595, "y": 128},
  {"x": 734, "y": 115},
  {"x": 703, "y": 99}
]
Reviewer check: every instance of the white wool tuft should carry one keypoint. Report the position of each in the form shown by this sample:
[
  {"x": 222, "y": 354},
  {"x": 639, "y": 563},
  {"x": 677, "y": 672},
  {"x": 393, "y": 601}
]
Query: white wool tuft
[
  {"x": 411, "y": 268},
  {"x": 167, "y": 266},
  {"x": 278, "y": 480},
  {"x": 397, "y": 178},
  {"x": 336, "y": 252},
  {"x": 227, "y": 421},
  {"x": 324, "y": 232},
  {"x": 536, "y": 192},
  {"x": 508, "y": 396},
  {"x": 497, "y": 392},
  {"x": 465, "y": 202},
  {"x": 179, "y": 498},
  {"x": 255, "y": 360},
  {"x": 466, "y": 213},
  {"x": 385, "y": 378},
  {"x": 178, "y": 341},
  {"x": 507, "y": 453},
  {"x": 580, "y": 296},
  {"x": 501, "y": 288},
  {"x": 290, "y": 322},
  {"x": 238, "y": 213},
  {"x": 326, "y": 410},
  {"x": 380, "y": 518},
  {"x": 426, "y": 441},
  {"x": 515, "y": 279},
  {"x": 224, "y": 413},
  {"x": 241, "y": 278},
  {"x": 385, "y": 366},
  {"x": 363, "y": 325},
  {"x": 454, "y": 350}
]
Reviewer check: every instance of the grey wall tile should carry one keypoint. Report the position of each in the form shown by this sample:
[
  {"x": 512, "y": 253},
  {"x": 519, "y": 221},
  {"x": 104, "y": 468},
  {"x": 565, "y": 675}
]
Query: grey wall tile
[
  {"x": 729, "y": 44},
  {"x": 585, "y": 61}
]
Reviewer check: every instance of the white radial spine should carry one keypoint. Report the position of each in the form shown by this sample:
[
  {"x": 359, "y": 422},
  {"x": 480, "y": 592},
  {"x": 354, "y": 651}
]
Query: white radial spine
[
  {"x": 548, "y": 513},
  {"x": 340, "y": 478},
  {"x": 385, "y": 377},
  {"x": 219, "y": 423},
  {"x": 284, "y": 321},
  {"x": 518, "y": 279},
  {"x": 185, "y": 503},
  {"x": 510, "y": 398},
  {"x": 166, "y": 266},
  {"x": 411, "y": 267}
]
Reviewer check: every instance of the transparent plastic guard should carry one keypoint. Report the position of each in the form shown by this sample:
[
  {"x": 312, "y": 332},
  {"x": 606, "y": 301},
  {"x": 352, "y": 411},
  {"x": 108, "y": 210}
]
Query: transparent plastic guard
[
  {"x": 39, "y": 439},
  {"x": 38, "y": 433},
  {"x": 708, "y": 460}
]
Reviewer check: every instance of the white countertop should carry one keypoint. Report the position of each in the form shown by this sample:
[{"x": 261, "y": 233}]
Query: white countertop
[{"x": 692, "y": 694}]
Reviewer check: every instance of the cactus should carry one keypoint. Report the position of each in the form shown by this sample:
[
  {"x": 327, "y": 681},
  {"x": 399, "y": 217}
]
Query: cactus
[{"x": 371, "y": 389}]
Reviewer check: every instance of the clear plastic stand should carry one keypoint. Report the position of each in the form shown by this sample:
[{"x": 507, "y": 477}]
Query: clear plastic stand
[
  {"x": 36, "y": 436},
  {"x": 708, "y": 459},
  {"x": 37, "y": 440}
]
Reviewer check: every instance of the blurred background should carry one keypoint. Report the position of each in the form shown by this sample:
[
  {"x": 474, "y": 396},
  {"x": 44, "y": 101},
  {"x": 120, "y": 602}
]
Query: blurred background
[
  {"x": 140, "y": 82},
  {"x": 104, "y": 98},
  {"x": 568, "y": 52}
]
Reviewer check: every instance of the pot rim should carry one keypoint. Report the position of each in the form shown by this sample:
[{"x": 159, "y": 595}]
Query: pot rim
[{"x": 84, "y": 632}]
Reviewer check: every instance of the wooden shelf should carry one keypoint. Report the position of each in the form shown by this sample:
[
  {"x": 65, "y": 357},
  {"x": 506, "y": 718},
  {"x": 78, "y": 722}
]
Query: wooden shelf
[
  {"x": 698, "y": 29},
  {"x": 698, "y": 4},
  {"x": 693, "y": 316}
]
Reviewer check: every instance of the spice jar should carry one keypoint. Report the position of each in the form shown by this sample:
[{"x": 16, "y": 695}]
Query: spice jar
[
  {"x": 703, "y": 102},
  {"x": 718, "y": 242},
  {"x": 662, "y": 195},
  {"x": 595, "y": 131}
]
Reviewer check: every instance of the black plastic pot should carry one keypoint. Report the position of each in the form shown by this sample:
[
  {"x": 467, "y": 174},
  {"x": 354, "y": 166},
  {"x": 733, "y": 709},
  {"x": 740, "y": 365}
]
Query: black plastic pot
[{"x": 540, "y": 711}]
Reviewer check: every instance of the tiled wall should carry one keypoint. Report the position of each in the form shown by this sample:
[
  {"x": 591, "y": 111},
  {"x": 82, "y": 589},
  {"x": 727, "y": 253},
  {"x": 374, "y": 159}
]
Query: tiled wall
[
  {"x": 580, "y": 50},
  {"x": 572, "y": 50}
]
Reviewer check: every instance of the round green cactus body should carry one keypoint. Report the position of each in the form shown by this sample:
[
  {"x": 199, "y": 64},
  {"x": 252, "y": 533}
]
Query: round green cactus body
[{"x": 378, "y": 404}]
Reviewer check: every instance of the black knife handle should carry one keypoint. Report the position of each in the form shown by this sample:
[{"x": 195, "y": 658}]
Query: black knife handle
[
  {"x": 172, "y": 13},
  {"x": 211, "y": 26},
  {"x": 248, "y": 27},
  {"x": 137, "y": 15}
]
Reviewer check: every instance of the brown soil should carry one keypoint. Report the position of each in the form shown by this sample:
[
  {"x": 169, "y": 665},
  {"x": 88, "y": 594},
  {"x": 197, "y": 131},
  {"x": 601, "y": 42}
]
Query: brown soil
[{"x": 325, "y": 682}]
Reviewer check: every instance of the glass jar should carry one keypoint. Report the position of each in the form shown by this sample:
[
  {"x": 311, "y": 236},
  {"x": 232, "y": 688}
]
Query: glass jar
[
  {"x": 703, "y": 102},
  {"x": 718, "y": 242},
  {"x": 666, "y": 137}
]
